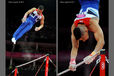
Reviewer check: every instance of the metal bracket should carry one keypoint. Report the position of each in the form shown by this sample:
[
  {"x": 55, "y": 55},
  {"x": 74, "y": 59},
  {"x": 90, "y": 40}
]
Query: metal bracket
[
  {"x": 98, "y": 60},
  {"x": 107, "y": 60}
]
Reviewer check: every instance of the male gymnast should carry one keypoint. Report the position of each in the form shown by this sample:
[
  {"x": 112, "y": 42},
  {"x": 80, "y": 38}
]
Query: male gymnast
[
  {"x": 30, "y": 18},
  {"x": 86, "y": 20}
]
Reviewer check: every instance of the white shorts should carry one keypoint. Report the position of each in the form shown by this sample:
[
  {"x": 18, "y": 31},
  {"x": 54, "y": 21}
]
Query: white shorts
[{"x": 89, "y": 13}]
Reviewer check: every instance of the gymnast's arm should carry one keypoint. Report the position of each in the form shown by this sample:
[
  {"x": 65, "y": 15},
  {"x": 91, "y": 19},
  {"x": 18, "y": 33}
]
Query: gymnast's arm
[
  {"x": 26, "y": 14},
  {"x": 75, "y": 44},
  {"x": 99, "y": 36},
  {"x": 41, "y": 24}
]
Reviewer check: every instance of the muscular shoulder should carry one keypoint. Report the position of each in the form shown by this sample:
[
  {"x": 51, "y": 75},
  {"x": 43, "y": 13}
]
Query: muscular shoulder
[
  {"x": 94, "y": 24},
  {"x": 33, "y": 9}
]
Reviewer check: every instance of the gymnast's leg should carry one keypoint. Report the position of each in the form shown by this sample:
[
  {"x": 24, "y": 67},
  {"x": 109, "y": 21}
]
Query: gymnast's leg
[{"x": 23, "y": 28}]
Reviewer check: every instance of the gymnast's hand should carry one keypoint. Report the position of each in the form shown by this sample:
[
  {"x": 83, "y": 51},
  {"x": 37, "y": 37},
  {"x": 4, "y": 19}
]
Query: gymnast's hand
[
  {"x": 23, "y": 19},
  {"x": 37, "y": 28},
  {"x": 72, "y": 65},
  {"x": 90, "y": 58}
]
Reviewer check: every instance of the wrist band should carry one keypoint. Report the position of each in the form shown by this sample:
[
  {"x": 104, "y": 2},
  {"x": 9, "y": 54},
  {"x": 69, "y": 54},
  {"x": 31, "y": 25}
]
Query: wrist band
[
  {"x": 72, "y": 61},
  {"x": 93, "y": 53}
]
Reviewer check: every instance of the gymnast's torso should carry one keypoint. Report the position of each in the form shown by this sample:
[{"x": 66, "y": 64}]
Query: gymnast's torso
[{"x": 35, "y": 17}]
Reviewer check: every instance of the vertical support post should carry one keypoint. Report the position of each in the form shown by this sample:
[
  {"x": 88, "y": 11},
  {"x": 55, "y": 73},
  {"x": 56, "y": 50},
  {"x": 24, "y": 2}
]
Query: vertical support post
[
  {"x": 15, "y": 73},
  {"x": 46, "y": 67},
  {"x": 102, "y": 63}
]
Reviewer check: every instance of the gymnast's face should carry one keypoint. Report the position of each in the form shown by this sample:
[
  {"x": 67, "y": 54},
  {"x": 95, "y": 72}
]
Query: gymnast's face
[
  {"x": 39, "y": 11},
  {"x": 85, "y": 36}
]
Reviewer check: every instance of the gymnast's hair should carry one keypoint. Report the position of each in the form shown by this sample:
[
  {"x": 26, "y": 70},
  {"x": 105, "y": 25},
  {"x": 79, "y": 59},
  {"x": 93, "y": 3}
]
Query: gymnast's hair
[
  {"x": 41, "y": 7},
  {"x": 77, "y": 33}
]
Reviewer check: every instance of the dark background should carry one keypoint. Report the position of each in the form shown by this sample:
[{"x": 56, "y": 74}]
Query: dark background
[
  {"x": 31, "y": 43},
  {"x": 66, "y": 14}
]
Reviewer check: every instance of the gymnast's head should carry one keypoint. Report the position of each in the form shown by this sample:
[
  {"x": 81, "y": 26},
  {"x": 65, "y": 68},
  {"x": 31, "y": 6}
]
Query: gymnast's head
[
  {"x": 81, "y": 33},
  {"x": 40, "y": 9}
]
